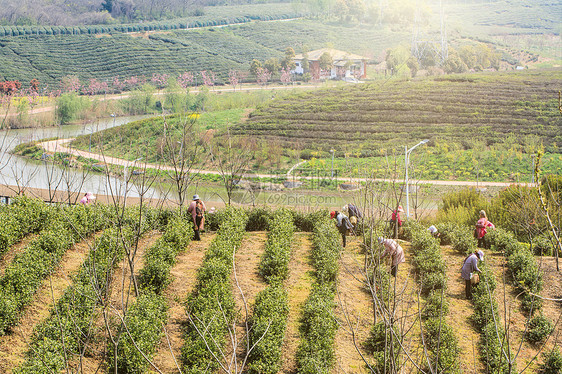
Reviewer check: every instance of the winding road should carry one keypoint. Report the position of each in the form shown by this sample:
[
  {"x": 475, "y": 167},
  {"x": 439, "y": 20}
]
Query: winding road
[{"x": 60, "y": 145}]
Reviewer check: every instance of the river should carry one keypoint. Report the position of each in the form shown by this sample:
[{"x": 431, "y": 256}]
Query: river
[{"x": 19, "y": 171}]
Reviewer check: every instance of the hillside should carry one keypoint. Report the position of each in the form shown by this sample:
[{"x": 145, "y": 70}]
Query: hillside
[
  {"x": 303, "y": 286},
  {"x": 50, "y": 58},
  {"x": 458, "y": 108},
  {"x": 520, "y": 34}
]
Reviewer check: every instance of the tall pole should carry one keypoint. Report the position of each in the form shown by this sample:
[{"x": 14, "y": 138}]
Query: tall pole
[
  {"x": 332, "y": 163},
  {"x": 406, "y": 162},
  {"x": 407, "y": 153}
]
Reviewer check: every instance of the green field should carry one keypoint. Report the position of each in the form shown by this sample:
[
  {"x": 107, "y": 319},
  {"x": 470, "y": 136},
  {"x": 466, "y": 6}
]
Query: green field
[
  {"x": 366, "y": 118},
  {"x": 105, "y": 51}
]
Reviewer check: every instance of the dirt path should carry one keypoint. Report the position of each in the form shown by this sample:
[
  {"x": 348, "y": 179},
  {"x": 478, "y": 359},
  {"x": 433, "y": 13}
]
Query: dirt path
[
  {"x": 298, "y": 285},
  {"x": 14, "y": 346},
  {"x": 460, "y": 311},
  {"x": 247, "y": 261},
  {"x": 121, "y": 294},
  {"x": 12, "y": 252},
  {"x": 184, "y": 275},
  {"x": 354, "y": 301},
  {"x": 59, "y": 145}
]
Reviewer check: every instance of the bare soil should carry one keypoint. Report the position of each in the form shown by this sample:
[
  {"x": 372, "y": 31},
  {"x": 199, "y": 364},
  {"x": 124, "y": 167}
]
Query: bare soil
[
  {"x": 247, "y": 259},
  {"x": 14, "y": 346},
  {"x": 354, "y": 310},
  {"x": 184, "y": 275},
  {"x": 298, "y": 285},
  {"x": 9, "y": 256}
]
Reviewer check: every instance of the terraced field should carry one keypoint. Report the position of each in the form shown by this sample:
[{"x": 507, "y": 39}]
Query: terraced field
[
  {"x": 489, "y": 107},
  {"x": 312, "y": 285}
]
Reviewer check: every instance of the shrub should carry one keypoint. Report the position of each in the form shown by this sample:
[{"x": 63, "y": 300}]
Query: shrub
[
  {"x": 442, "y": 345},
  {"x": 435, "y": 305},
  {"x": 538, "y": 329},
  {"x": 144, "y": 322},
  {"x": 543, "y": 245},
  {"x": 552, "y": 362},
  {"x": 275, "y": 262},
  {"x": 382, "y": 338},
  {"x": 270, "y": 314},
  {"x": 316, "y": 351},
  {"x": 258, "y": 219}
]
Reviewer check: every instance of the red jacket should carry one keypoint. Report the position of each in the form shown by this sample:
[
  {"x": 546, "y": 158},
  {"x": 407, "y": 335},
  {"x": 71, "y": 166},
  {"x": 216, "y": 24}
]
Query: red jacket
[{"x": 396, "y": 217}]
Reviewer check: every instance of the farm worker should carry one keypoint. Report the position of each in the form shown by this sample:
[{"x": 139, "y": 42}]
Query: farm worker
[
  {"x": 433, "y": 231},
  {"x": 197, "y": 210},
  {"x": 481, "y": 229},
  {"x": 342, "y": 223},
  {"x": 353, "y": 212},
  {"x": 87, "y": 199},
  {"x": 469, "y": 267},
  {"x": 395, "y": 251},
  {"x": 396, "y": 220},
  {"x": 396, "y": 215}
]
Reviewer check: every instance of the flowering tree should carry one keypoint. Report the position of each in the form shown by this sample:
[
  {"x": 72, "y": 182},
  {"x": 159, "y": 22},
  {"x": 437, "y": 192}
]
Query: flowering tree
[
  {"x": 160, "y": 80},
  {"x": 233, "y": 77},
  {"x": 132, "y": 82},
  {"x": 71, "y": 83},
  {"x": 96, "y": 87},
  {"x": 285, "y": 76},
  {"x": 262, "y": 76},
  {"x": 186, "y": 79},
  {"x": 117, "y": 84},
  {"x": 209, "y": 78}
]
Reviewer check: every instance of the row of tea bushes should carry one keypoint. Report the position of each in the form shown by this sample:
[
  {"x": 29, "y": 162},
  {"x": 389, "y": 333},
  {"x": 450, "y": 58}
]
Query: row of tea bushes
[
  {"x": 318, "y": 325},
  {"x": 441, "y": 342},
  {"x": 145, "y": 317},
  {"x": 68, "y": 330},
  {"x": 527, "y": 277},
  {"x": 23, "y": 216},
  {"x": 210, "y": 308},
  {"x": 40, "y": 257},
  {"x": 271, "y": 309}
]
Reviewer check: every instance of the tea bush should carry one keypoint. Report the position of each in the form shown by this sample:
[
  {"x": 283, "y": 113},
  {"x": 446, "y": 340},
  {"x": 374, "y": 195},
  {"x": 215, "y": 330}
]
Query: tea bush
[
  {"x": 68, "y": 327},
  {"x": 315, "y": 353},
  {"x": 268, "y": 323},
  {"x": 274, "y": 265},
  {"x": 271, "y": 307},
  {"x": 29, "y": 268},
  {"x": 382, "y": 338},
  {"x": 442, "y": 345},
  {"x": 144, "y": 321},
  {"x": 538, "y": 329},
  {"x": 552, "y": 362},
  {"x": 211, "y": 305},
  {"x": 430, "y": 269}
]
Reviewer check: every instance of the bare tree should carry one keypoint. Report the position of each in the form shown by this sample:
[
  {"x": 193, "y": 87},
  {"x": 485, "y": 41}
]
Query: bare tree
[{"x": 231, "y": 156}]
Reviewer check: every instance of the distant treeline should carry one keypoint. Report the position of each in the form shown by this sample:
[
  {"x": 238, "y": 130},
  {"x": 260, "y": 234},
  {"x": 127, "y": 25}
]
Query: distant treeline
[{"x": 139, "y": 27}]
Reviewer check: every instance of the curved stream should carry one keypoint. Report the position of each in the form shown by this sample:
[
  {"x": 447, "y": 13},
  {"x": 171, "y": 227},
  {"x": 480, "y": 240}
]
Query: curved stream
[{"x": 18, "y": 171}]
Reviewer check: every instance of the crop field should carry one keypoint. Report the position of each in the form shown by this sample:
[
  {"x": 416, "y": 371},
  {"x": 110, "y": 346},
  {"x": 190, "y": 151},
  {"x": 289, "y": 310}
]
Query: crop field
[
  {"x": 277, "y": 278},
  {"x": 389, "y": 114},
  {"x": 50, "y": 58}
]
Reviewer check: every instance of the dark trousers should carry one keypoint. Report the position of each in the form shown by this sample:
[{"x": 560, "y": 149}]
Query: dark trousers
[
  {"x": 394, "y": 270},
  {"x": 197, "y": 232},
  {"x": 342, "y": 231},
  {"x": 468, "y": 289}
]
